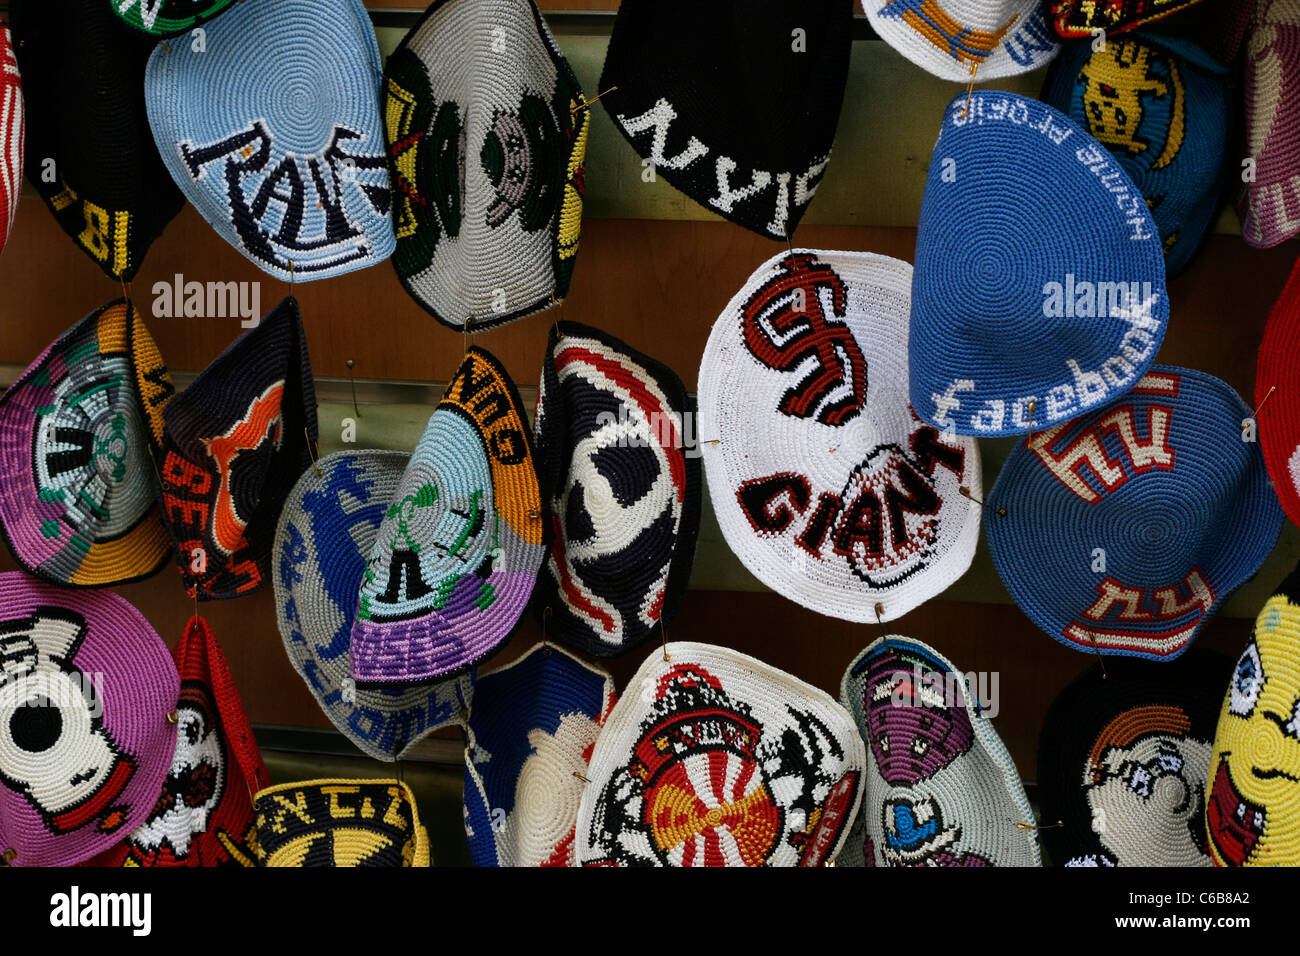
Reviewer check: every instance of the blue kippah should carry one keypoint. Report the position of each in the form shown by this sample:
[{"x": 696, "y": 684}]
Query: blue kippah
[
  {"x": 1162, "y": 109},
  {"x": 1039, "y": 280},
  {"x": 1122, "y": 532}
]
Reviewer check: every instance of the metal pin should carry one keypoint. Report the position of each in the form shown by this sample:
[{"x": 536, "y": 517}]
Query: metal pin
[
  {"x": 1271, "y": 390},
  {"x": 353, "y": 379},
  {"x": 535, "y": 515},
  {"x": 580, "y": 776},
  {"x": 311, "y": 450},
  {"x": 880, "y": 608},
  {"x": 1039, "y": 826},
  {"x": 965, "y": 492},
  {"x": 587, "y": 104},
  {"x": 546, "y": 627},
  {"x": 663, "y": 628},
  {"x": 10, "y": 855},
  {"x": 970, "y": 88},
  {"x": 789, "y": 246},
  {"x": 715, "y": 441},
  {"x": 1100, "y": 660},
  {"x": 1032, "y": 404},
  {"x": 293, "y": 276},
  {"x": 467, "y": 334},
  {"x": 172, "y": 717}
]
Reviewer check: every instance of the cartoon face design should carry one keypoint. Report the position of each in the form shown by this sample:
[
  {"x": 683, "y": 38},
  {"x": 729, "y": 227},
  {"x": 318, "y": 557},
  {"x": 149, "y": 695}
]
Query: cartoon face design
[
  {"x": 54, "y": 748},
  {"x": 916, "y": 721},
  {"x": 1253, "y": 807},
  {"x": 1152, "y": 784},
  {"x": 195, "y": 782}
]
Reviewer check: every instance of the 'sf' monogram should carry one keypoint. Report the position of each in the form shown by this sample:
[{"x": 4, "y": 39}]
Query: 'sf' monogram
[{"x": 785, "y": 324}]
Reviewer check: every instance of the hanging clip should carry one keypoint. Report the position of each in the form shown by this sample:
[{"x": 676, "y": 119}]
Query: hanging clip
[
  {"x": 1039, "y": 826},
  {"x": 353, "y": 379}
]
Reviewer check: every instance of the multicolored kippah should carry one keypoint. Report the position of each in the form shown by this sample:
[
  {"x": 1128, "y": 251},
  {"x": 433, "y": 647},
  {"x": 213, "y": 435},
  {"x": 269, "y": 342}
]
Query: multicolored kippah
[
  {"x": 1061, "y": 304},
  {"x": 340, "y": 823},
  {"x": 1073, "y": 19},
  {"x": 79, "y": 503},
  {"x": 89, "y": 152},
  {"x": 326, "y": 532},
  {"x": 87, "y": 721},
  {"x": 1277, "y": 379},
  {"x": 530, "y": 733},
  {"x": 1123, "y": 757},
  {"x": 825, "y": 483},
  {"x": 1123, "y": 531},
  {"x": 204, "y": 816},
  {"x": 162, "y": 18},
  {"x": 1162, "y": 107},
  {"x": 713, "y": 758},
  {"x": 1270, "y": 205},
  {"x": 235, "y": 442},
  {"x": 1252, "y": 811},
  {"x": 272, "y": 131},
  {"x": 941, "y": 789},
  {"x": 965, "y": 40},
  {"x": 12, "y": 129},
  {"x": 733, "y": 103},
  {"x": 622, "y": 492},
  {"x": 487, "y": 133},
  {"x": 461, "y": 543}
]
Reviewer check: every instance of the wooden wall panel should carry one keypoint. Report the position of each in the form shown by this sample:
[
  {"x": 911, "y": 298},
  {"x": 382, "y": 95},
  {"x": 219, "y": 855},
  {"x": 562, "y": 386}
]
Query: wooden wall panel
[{"x": 658, "y": 285}]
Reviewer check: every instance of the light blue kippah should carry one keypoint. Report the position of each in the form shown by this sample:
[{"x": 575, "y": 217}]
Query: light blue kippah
[
  {"x": 1039, "y": 279},
  {"x": 269, "y": 122}
]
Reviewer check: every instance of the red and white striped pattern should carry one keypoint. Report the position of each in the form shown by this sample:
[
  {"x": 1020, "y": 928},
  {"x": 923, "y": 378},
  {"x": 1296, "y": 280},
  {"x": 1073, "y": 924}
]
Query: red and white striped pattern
[{"x": 11, "y": 133}]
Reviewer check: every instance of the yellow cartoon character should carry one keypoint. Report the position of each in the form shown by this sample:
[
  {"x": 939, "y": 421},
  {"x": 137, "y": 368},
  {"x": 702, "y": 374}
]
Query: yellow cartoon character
[
  {"x": 1118, "y": 82},
  {"x": 1253, "y": 805}
]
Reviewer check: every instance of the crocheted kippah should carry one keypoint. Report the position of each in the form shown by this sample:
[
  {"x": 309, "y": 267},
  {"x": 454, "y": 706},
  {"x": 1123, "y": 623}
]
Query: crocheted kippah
[
  {"x": 734, "y": 103},
  {"x": 272, "y": 131},
  {"x": 1082, "y": 18},
  {"x": 1060, "y": 304},
  {"x": 962, "y": 40},
  {"x": 1277, "y": 379},
  {"x": 941, "y": 789},
  {"x": 530, "y": 734},
  {"x": 326, "y": 531},
  {"x": 825, "y": 483},
  {"x": 162, "y": 18},
  {"x": 79, "y": 505},
  {"x": 87, "y": 688},
  {"x": 461, "y": 543},
  {"x": 340, "y": 823},
  {"x": 1270, "y": 205},
  {"x": 89, "y": 152},
  {"x": 1252, "y": 810},
  {"x": 12, "y": 127},
  {"x": 623, "y": 495},
  {"x": 1162, "y": 108},
  {"x": 487, "y": 133},
  {"x": 1123, "y": 756},
  {"x": 204, "y": 816},
  {"x": 1125, "y": 529},
  {"x": 235, "y": 442},
  {"x": 713, "y": 758}
]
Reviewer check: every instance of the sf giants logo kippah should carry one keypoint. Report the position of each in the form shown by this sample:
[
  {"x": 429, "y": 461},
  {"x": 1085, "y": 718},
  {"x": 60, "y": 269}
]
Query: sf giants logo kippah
[{"x": 786, "y": 323}]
